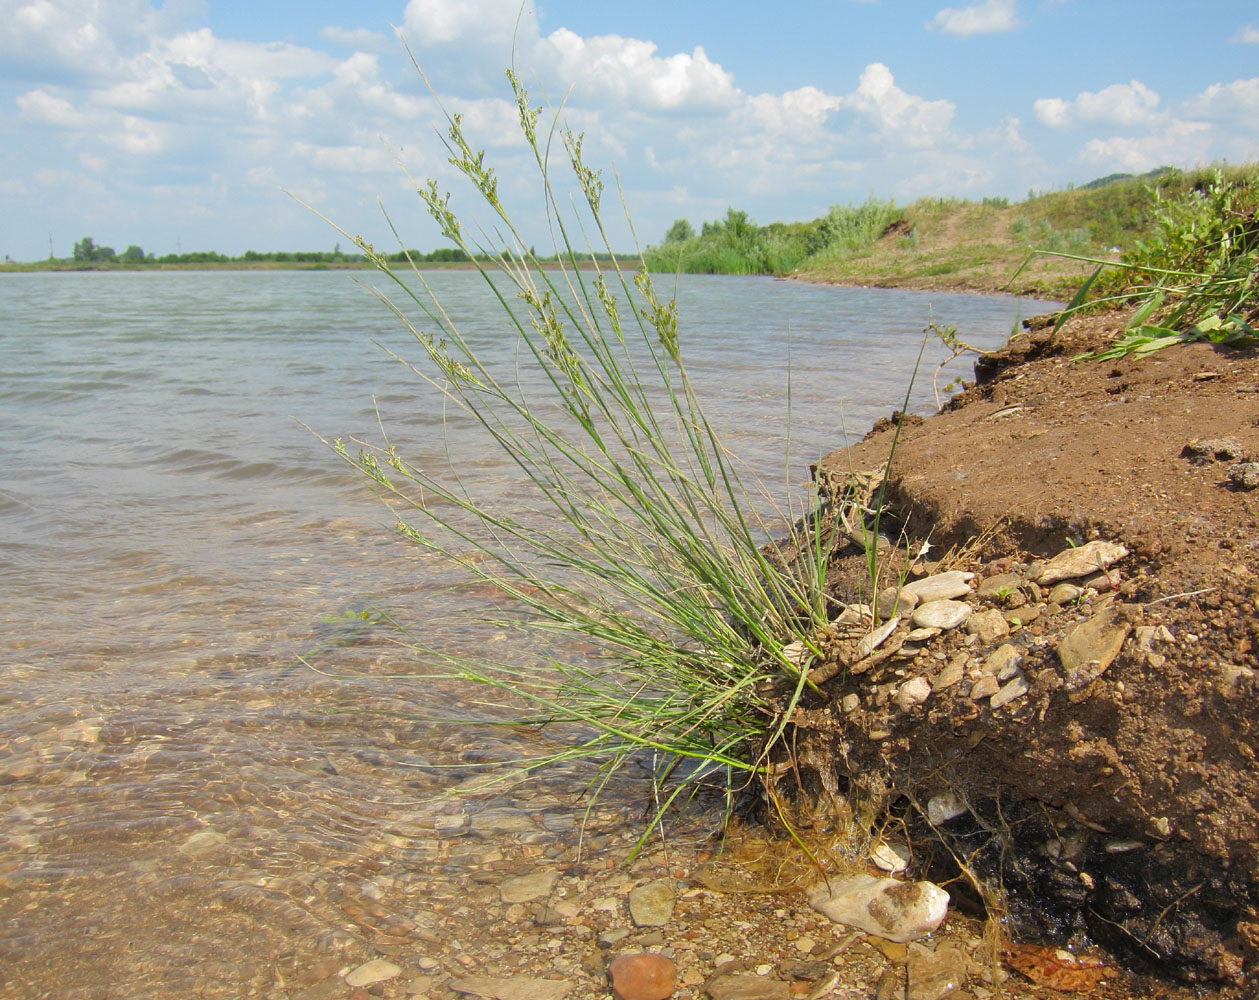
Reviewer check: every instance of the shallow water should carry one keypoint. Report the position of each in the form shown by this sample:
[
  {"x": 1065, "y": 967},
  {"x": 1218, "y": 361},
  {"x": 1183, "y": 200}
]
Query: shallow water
[{"x": 211, "y": 779}]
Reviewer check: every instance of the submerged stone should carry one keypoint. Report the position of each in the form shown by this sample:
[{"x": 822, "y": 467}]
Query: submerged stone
[{"x": 885, "y": 907}]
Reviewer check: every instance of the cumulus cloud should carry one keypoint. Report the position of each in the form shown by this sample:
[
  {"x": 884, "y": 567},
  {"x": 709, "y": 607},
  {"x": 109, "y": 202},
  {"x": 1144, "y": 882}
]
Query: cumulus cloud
[
  {"x": 912, "y": 119},
  {"x": 1248, "y": 35},
  {"x": 1180, "y": 142},
  {"x": 628, "y": 70},
  {"x": 476, "y": 22},
  {"x": 989, "y": 17},
  {"x": 1227, "y": 100},
  {"x": 1119, "y": 104},
  {"x": 797, "y": 112}
]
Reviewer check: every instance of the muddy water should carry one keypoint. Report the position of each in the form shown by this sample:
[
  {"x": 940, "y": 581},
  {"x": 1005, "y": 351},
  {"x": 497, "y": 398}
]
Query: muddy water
[{"x": 214, "y": 778}]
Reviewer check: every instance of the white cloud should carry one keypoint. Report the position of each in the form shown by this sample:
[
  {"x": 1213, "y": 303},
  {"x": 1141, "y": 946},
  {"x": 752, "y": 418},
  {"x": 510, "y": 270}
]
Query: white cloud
[
  {"x": 1122, "y": 104},
  {"x": 914, "y": 120},
  {"x": 797, "y": 112},
  {"x": 628, "y": 70},
  {"x": 989, "y": 17},
  {"x": 1181, "y": 142},
  {"x": 1227, "y": 100},
  {"x": 478, "y": 22},
  {"x": 354, "y": 159},
  {"x": 1249, "y": 35},
  {"x": 43, "y": 108}
]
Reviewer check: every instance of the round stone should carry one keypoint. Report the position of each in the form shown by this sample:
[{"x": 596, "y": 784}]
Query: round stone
[{"x": 941, "y": 614}]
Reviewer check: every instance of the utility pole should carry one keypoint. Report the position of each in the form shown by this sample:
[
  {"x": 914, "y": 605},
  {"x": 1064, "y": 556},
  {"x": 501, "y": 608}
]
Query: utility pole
[{"x": 51, "y": 255}]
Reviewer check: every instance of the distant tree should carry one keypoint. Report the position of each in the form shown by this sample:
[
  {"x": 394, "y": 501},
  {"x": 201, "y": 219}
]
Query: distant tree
[
  {"x": 133, "y": 254},
  {"x": 679, "y": 232},
  {"x": 85, "y": 249},
  {"x": 104, "y": 253}
]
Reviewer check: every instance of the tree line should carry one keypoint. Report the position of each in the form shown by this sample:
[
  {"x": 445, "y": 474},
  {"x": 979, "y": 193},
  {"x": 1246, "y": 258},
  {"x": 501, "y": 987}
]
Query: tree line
[{"x": 88, "y": 251}]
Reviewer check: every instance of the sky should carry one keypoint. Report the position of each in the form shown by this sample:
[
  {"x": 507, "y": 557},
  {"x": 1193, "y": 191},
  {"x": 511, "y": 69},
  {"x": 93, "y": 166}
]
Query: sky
[{"x": 206, "y": 124}]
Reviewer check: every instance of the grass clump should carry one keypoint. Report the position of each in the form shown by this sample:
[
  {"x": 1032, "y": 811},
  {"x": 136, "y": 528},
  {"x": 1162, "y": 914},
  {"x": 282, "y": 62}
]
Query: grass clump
[
  {"x": 633, "y": 530},
  {"x": 1193, "y": 276}
]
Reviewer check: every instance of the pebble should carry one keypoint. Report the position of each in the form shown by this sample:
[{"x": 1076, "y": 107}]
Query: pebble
[
  {"x": 1003, "y": 661},
  {"x": 942, "y": 614},
  {"x": 1091, "y": 648},
  {"x": 1000, "y": 585},
  {"x": 985, "y": 687},
  {"x": 651, "y": 905},
  {"x": 1014, "y": 689},
  {"x": 645, "y": 976},
  {"x": 1065, "y": 593},
  {"x": 503, "y": 821},
  {"x": 1084, "y": 560},
  {"x": 951, "y": 674},
  {"x": 734, "y": 986},
  {"x": 886, "y": 907},
  {"x": 526, "y": 888},
  {"x": 1223, "y": 449},
  {"x": 989, "y": 625},
  {"x": 944, "y": 807},
  {"x": 895, "y": 600},
  {"x": 933, "y": 975},
  {"x": 376, "y": 971},
  {"x": 941, "y": 586},
  {"x": 874, "y": 639},
  {"x": 513, "y": 988},
  {"x": 890, "y": 856},
  {"x": 202, "y": 843},
  {"x": 913, "y": 693},
  {"x": 1244, "y": 475},
  {"x": 850, "y": 704}
]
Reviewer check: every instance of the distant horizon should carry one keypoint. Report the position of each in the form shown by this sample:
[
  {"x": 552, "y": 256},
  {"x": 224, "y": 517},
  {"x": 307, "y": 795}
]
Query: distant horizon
[
  {"x": 177, "y": 125},
  {"x": 353, "y": 251}
]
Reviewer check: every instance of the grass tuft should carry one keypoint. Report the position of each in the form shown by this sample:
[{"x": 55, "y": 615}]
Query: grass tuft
[{"x": 633, "y": 531}]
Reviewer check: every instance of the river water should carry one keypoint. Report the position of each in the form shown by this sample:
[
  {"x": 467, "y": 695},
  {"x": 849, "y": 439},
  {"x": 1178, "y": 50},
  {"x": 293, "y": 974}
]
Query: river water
[{"x": 212, "y": 780}]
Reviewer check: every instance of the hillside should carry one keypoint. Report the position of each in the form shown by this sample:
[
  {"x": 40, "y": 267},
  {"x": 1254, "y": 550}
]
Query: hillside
[{"x": 948, "y": 242}]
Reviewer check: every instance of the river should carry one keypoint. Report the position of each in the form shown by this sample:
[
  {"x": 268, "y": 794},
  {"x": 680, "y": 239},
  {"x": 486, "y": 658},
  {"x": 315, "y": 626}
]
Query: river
[{"x": 211, "y": 778}]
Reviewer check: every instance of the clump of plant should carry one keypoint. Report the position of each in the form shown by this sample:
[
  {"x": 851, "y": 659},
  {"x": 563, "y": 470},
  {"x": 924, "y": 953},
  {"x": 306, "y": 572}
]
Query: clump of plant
[
  {"x": 633, "y": 529},
  {"x": 1193, "y": 278}
]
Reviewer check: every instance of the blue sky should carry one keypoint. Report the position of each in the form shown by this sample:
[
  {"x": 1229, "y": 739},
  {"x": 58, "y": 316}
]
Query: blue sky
[{"x": 176, "y": 125}]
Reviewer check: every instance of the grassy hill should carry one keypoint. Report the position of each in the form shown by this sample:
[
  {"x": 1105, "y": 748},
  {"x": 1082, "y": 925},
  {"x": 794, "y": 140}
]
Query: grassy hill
[{"x": 952, "y": 243}]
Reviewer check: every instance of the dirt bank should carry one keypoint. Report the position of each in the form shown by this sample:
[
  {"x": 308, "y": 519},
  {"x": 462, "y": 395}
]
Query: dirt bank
[{"x": 1099, "y": 729}]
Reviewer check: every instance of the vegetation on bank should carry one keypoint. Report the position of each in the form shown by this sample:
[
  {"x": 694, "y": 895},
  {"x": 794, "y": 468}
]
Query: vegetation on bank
[
  {"x": 950, "y": 242},
  {"x": 1195, "y": 276}
]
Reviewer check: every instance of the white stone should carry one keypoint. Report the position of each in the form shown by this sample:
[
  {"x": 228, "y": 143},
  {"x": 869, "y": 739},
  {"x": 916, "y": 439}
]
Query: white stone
[
  {"x": 884, "y": 907},
  {"x": 526, "y": 888},
  {"x": 944, "y": 807},
  {"x": 375, "y": 971},
  {"x": 941, "y": 587},
  {"x": 890, "y": 856},
  {"x": 1003, "y": 661},
  {"x": 874, "y": 640},
  {"x": 913, "y": 693},
  {"x": 1015, "y": 688},
  {"x": 651, "y": 905},
  {"x": 1084, "y": 560},
  {"x": 941, "y": 614}
]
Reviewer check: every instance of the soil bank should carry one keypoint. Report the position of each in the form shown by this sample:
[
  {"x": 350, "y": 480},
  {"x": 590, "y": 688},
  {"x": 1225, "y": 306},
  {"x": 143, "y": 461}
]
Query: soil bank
[{"x": 1112, "y": 792}]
